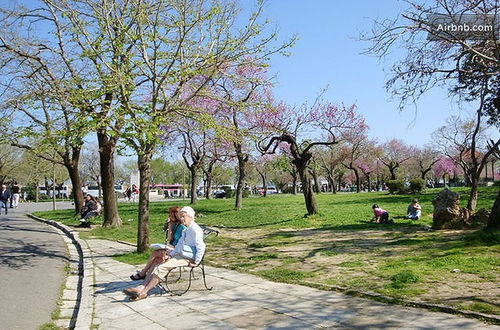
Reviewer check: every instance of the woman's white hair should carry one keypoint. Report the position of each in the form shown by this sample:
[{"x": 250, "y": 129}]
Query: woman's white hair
[{"x": 188, "y": 210}]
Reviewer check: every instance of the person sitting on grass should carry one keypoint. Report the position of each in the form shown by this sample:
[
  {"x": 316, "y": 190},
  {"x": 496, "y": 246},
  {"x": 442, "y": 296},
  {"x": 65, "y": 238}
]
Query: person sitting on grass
[
  {"x": 381, "y": 215},
  {"x": 189, "y": 251},
  {"x": 414, "y": 210},
  {"x": 174, "y": 229},
  {"x": 90, "y": 209}
]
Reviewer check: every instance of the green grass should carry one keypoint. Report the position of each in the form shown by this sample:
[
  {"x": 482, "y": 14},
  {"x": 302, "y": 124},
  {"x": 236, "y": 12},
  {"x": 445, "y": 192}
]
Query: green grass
[
  {"x": 272, "y": 238},
  {"x": 343, "y": 211},
  {"x": 49, "y": 326},
  {"x": 285, "y": 275}
]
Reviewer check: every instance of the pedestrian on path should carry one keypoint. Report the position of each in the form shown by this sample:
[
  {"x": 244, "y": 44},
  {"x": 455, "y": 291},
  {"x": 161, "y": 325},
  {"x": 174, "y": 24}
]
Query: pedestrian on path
[
  {"x": 4, "y": 198},
  {"x": 16, "y": 193},
  {"x": 188, "y": 252}
]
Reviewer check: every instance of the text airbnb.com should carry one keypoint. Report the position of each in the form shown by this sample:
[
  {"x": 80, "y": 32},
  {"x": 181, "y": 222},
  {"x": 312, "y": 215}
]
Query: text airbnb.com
[{"x": 464, "y": 28}]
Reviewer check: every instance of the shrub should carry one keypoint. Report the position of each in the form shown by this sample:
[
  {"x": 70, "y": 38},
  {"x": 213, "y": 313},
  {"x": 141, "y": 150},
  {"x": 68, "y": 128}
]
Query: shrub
[
  {"x": 396, "y": 186},
  {"x": 403, "y": 278},
  {"x": 246, "y": 193},
  {"x": 417, "y": 185}
]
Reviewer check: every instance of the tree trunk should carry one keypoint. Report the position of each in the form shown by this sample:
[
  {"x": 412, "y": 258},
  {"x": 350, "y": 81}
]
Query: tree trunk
[
  {"x": 37, "y": 192},
  {"x": 74, "y": 175},
  {"x": 242, "y": 161},
  {"x": 106, "y": 155},
  {"x": 472, "y": 202},
  {"x": 208, "y": 189},
  {"x": 358, "y": 180},
  {"x": 494, "y": 222},
  {"x": 294, "y": 183},
  {"x": 368, "y": 179},
  {"x": 310, "y": 199},
  {"x": 144, "y": 164},
  {"x": 317, "y": 187},
  {"x": 393, "y": 173},
  {"x": 193, "y": 169},
  {"x": 264, "y": 183}
]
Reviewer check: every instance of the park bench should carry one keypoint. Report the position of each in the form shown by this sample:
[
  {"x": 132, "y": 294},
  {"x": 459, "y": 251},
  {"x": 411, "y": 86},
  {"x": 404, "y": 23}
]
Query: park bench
[{"x": 179, "y": 279}]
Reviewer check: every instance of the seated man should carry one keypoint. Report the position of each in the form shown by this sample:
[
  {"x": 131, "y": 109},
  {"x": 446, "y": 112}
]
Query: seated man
[
  {"x": 188, "y": 252},
  {"x": 414, "y": 210}
]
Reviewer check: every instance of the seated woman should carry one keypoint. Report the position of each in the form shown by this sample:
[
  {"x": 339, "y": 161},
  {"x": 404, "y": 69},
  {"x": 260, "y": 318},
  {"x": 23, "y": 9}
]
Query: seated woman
[
  {"x": 174, "y": 229},
  {"x": 90, "y": 209},
  {"x": 188, "y": 252},
  {"x": 414, "y": 210},
  {"x": 381, "y": 215}
]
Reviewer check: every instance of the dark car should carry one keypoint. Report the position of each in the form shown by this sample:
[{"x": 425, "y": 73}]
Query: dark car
[{"x": 220, "y": 194}]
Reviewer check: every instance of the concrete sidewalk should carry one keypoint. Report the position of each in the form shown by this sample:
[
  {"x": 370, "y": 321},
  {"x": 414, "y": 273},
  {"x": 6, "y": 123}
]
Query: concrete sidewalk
[{"x": 244, "y": 301}]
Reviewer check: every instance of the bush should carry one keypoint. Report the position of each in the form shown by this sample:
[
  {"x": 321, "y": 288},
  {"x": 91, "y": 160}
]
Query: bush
[
  {"x": 396, "y": 186},
  {"x": 403, "y": 278},
  {"x": 417, "y": 185},
  {"x": 246, "y": 193}
]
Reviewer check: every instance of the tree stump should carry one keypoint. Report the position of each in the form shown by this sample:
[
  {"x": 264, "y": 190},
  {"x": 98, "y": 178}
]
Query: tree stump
[{"x": 447, "y": 211}]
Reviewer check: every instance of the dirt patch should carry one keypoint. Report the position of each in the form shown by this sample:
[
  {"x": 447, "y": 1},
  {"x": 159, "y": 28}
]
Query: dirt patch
[{"x": 366, "y": 260}]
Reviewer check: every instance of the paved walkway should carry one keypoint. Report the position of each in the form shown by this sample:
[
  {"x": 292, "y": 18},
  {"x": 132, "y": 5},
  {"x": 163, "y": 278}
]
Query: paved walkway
[
  {"x": 245, "y": 301},
  {"x": 32, "y": 260}
]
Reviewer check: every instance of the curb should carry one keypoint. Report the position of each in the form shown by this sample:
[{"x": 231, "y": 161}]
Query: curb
[
  {"x": 408, "y": 303},
  {"x": 77, "y": 299}
]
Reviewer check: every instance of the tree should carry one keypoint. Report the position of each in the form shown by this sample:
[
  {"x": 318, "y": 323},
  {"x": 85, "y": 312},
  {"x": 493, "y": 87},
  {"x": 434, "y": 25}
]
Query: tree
[
  {"x": 425, "y": 159},
  {"x": 468, "y": 67},
  {"x": 354, "y": 148},
  {"x": 334, "y": 121},
  {"x": 245, "y": 91},
  {"x": 217, "y": 151},
  {"x": 193, "y": 146},
  {"x": 330, "y": 160},
  {"x": 9, "y": 161},
  {"x": 395, "y": 153},
  {"x": 90, "y": 171},
  {"x": 444, "y": 166},
  {"x": 464, "y": 142}
]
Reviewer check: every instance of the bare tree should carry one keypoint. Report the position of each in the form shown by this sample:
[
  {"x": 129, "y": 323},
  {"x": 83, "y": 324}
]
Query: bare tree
[
  {"x": 334, "y": 121},
  {"x": 395, "y": 153},
  {"x": 464, "y": 142}
]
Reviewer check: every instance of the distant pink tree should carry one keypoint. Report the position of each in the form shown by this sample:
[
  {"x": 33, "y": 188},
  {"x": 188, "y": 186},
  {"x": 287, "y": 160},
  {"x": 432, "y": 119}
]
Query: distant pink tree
[
  {"x": 445, "y": 166},
  {"x": 395, "y": 153},
  {"x": 245, "y": 91},
  {"x": 333, "y": 121}
]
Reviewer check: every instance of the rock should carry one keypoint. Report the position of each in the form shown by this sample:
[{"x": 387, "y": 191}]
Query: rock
[{"x": 447, "y": 211}]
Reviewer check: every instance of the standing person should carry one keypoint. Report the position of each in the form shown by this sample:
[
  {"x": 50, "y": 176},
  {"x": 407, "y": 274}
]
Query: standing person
[
  {"x": 189, "y": 251},
  {"x": 4, "y": 198},
  {"x": 135, "y": 193},
  {"x": 414, "y": 211},
  {"x": 174, "y": 229},
  {"x": 16, "y": 193},
  {"x": 128, "y": 194}
]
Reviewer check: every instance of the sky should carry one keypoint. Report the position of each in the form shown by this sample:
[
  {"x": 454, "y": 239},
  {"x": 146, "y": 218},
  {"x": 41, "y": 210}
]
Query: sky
[{"x": 328, "y": 54}]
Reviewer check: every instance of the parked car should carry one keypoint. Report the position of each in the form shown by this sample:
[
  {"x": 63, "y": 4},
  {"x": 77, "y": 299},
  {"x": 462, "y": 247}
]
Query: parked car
[{"x": 219, "y": 194}]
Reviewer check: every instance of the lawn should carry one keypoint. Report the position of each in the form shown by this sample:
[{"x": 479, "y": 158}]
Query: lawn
[{"x": 340, "y": 247}]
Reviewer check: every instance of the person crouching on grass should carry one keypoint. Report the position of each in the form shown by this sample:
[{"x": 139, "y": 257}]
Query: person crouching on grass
[
  {"x": 188, "y": 252},
  {"x": 381, "y": 215}
]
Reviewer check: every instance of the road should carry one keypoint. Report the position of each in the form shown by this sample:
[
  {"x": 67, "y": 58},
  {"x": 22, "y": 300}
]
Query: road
[{"x": 32, "y": 259}]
